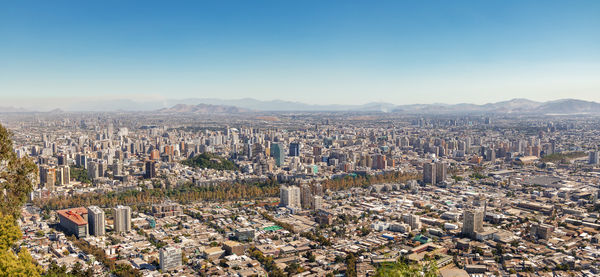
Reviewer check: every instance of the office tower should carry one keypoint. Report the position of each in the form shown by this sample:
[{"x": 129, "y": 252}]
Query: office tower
[
  {"x": 122, "y": 219},
  {"x": 441, "y": 171},
  {"x": 96, "y": 221},
  {"x": 593, "y": 157},
  {"x": 429, "y": 173},
  {"x": 170, "y": 258},
  {"x": 317, "y": 202},
  {"x": 150, "y": 169},
  {"x": 278, "y": 153},
  {"x": 306, "y": 194},
  {"x": 289, "y": 196},
  {"x": 472, "y": 222},
  {"x": 92, "y": 170},
  {"x": 294, "y": 149}
]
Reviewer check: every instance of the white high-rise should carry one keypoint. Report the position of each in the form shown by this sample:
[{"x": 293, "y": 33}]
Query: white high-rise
[
  {"x": 170, "y": 258},
  {"x": 122, "y": 219},
  {"x": 96, "y": 221},
  {"x": 289, "y": 196}
]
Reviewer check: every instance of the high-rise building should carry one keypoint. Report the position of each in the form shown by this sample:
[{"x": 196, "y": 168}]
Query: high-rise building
[
  {"x": 150, "y": 169},
  {"x": 318, "y": 189},
  {"x": 47, "y": 176},
  {"x": 289, "y": 196},
  {"x": 277, "y": 153},
  {"x": 81, "y": 160},
  {"x": 441, "y": 171},
  {"x": 96, "y": 221},
  {"x": 170, "y": 258},
  {"x": 294, "y": 149},
  {"x": 593, "y": 157},
  {"x": 122, "y": 219},
  {"x": 306, "y": 196},
  {"x": 63, "y": 175},
  {"x": 117, "y": 168},
  {"x": 317, "y": 202},
  {"x": 429, "y": 173},
  {"x": 414, "y": 221},
  {"x": 62, "y": 159},
  {"x": 92, "y": 170},
  {"x": 472, "y": 222},
  {"x": 379, "y": 161}
]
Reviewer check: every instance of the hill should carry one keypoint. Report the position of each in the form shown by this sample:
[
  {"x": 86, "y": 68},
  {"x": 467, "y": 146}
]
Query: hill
[{"x": 211, "y": 161}]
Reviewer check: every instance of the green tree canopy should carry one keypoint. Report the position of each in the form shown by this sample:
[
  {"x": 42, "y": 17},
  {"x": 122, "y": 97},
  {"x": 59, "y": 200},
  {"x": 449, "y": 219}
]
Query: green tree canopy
[
  {"x": 16, "y": 182},
  {"x": 16, "y": 177}
]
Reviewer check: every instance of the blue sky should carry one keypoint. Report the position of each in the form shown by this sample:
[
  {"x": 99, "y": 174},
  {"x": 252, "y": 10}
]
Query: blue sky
[{"x": 342, "y": 52}]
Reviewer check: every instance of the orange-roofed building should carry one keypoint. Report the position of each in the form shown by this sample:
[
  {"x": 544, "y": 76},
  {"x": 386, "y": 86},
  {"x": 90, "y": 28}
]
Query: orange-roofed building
[{"x": 74, "y": 221}]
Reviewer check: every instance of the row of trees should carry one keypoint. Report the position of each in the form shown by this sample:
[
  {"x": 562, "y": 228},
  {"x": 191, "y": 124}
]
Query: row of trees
[
  {"x": 184, "y": 194},
  {"x": 190, "y": 193}
]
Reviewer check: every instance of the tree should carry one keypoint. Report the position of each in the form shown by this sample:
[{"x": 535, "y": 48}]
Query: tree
[
  {"x": 16, "y": 182},
  {"x": 16, "y": 177},
  {"x": 13, "y": 263}
]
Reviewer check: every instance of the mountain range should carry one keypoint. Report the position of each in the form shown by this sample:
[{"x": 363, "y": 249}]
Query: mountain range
[{"x": 245, "y": 105}]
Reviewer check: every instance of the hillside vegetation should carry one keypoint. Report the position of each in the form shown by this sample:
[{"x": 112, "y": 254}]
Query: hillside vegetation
[{"x": 211, "y": 161}]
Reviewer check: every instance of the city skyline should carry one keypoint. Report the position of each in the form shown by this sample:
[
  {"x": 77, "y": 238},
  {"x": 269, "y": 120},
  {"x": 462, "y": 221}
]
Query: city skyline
[{"x": 312, "y": 52}]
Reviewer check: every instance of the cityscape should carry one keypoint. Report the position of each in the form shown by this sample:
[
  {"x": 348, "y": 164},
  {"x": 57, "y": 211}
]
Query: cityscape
[{"x": 299, "y": 138}]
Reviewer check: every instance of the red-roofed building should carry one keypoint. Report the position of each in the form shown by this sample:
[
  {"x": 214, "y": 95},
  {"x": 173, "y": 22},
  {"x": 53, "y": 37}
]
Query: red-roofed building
[{"x": 74, "y": 221}]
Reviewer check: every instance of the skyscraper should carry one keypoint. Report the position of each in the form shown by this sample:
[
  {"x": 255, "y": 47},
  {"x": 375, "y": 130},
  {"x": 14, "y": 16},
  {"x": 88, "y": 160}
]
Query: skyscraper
[
  {"x": 472, "y": 222},
  {"x": 122, "y": 219},
  {"x": 277, "y": 153},
  {"x": 170, "y": 258},
  {"x": 96, "y": 221}
]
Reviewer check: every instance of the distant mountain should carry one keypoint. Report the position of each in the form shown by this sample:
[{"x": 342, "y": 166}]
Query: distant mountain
[
  {"x": 569, "y": 106},
  {"x": 12, "y": 110},
  {"x": 203, "y": 109},
  {"x": 214, "y": 105}
]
